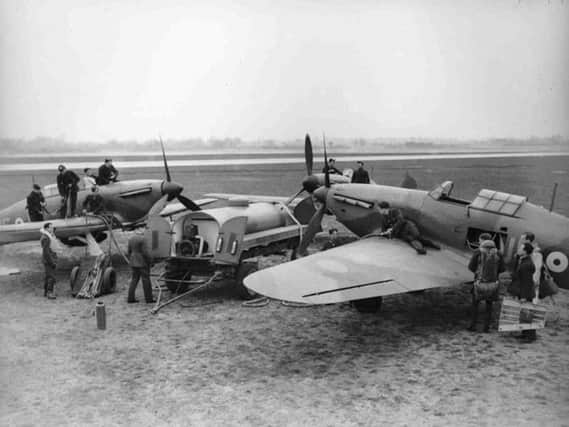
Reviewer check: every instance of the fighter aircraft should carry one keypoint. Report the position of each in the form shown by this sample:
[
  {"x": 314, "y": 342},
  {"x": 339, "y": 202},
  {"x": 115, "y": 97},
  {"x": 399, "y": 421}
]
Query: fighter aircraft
[
  {"x": 128, "y": 202},
  {"x": 374, "y": 266}
]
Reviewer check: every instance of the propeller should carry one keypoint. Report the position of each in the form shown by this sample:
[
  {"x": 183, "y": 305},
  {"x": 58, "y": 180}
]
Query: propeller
[
  {"x": 320, "y": 194},
  {"x": 171, "y": 190},
  {"x": 168, "y": 177},
  {"x": 308, "y": 157}
]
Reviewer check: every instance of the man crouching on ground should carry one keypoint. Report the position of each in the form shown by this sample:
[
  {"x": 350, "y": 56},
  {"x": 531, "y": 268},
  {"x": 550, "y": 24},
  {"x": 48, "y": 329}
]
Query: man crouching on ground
[{"x": 49, "y": 258}]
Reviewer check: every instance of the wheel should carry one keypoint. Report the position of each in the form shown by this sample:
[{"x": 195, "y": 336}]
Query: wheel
[
  {"x": 368, "y": 305},
  {"x": 109, "y": 281},
  {"x": 73, "y": 278},
  {"x": 243, "y": 271},
  {"x": 174, "y": 272}
]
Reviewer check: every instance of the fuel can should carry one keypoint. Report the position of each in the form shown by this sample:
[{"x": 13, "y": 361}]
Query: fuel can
[{"x": 101, "y": 315}]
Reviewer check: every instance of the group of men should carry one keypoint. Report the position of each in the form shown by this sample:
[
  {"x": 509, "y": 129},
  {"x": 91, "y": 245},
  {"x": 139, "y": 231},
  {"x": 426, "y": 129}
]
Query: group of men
[
  {"x": 68, "y": 187},
  {"x": 487, "y": 264},
  {"x": 360, "y": 175},
  {"x": 139, "y": 257}
]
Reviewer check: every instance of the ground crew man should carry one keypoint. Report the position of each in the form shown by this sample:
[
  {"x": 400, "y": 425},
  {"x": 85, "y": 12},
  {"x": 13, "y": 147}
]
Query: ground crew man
[
  {"x": 49, "y": 258},
  {"x": 360, "y": 176},
  {"x": 523, "y": 276},
  {"x": 537, "y": 259},
  {"x": 394, "y": 224},
  {"x": 331, "y": 167},
  {"x": 94, "y": 202},
  {"x": 67, "y": 184},
  {"x": 88, "y": 178},
  {"x": 35, "y": 204},
  {"x": 140, "y": 262},
  {"x": 107, "y": 173}
]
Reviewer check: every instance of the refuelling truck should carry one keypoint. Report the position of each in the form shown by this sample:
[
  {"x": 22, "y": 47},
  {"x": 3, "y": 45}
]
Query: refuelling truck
[{"x": 224, "y": 242}]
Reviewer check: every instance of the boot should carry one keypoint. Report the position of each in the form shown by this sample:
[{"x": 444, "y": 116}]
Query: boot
[
  {"x": 51, "y": 291},
  {"x": 418, "y": 247}
]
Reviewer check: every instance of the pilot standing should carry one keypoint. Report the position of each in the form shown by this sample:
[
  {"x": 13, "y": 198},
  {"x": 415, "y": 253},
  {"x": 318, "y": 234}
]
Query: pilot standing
[
  {"x": 331, "y": 167},
  {"x": 67, "y": 184},
  {"x": 360, "y": 176},
  {"x": 486, "y": 263},
  {"x": 107, "y": 172},
  {"x": 140, "y": 262},
  {"x": 49, "y": 258},
  {"x": 35, "y": 204}
]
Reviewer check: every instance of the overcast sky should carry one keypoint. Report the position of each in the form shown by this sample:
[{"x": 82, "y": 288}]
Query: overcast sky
[{"x": 96, "y": 70}]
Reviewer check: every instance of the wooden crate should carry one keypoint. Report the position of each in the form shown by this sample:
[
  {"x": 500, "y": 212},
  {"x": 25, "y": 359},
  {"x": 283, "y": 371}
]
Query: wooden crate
[{"x": 519, "y": 316}]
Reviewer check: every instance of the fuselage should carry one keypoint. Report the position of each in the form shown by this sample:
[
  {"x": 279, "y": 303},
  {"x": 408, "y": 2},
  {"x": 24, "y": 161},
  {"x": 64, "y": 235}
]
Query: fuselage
[
  {"x": 458, "y": 223},
  {"x": 129, "y": 201}
]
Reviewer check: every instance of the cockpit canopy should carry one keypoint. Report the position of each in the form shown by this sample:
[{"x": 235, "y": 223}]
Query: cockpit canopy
[
  {"x": 486, "y": 200},
  {"x": 498, "y": 202}
]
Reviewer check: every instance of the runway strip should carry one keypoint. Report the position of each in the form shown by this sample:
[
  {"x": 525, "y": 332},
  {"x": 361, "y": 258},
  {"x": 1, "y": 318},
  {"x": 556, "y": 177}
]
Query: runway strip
[{"x": 273, "y": 160}]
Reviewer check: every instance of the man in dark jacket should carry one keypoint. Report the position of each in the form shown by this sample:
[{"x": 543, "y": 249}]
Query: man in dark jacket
[
  {"x": 68, "y": 186},
  {"x": 94, "y": 202},
  {"x": 331, "y": 167},
  {"x": 360, "y": 176},
  {"x": 35, "y": 204},
  {"x": 107, "y": 173},
  {"x": 523, "y": 277},
  {"x": 140, "y": 262},
  {"x": 49, "y": 258},
  {"x": 408, "y": 231}
]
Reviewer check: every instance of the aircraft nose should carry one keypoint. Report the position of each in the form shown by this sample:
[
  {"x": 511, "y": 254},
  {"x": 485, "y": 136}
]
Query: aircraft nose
[
  {"x": 321, "y": 194},
  {"x": 171, "y": 188},
  {"x": 310, "y": 184}
]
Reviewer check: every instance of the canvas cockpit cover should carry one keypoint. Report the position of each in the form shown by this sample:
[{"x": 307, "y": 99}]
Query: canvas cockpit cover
[{"x": 498, "y": 202}]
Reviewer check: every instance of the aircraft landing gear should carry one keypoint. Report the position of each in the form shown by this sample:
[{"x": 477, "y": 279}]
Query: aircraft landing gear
[
  {"x": 368, "y": 305},
  {"x": 244, "y": 269}
]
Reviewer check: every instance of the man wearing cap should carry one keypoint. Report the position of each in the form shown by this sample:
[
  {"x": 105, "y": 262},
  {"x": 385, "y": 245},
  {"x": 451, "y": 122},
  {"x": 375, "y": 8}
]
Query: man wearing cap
[
  {"x": 67, "y": 184},
  {"x": 107, "y": 173},
  {"x": 331, "y": 167},
  {"x": 360, "y": 176},
  {"x": 35, "y": 204},
  {"x": 486, "y": 265}
]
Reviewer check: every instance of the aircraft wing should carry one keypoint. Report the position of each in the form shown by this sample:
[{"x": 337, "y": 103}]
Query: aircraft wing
[
  {"x": 252, "y": 198},
  {"x": 69, "y": 227},
  {"x": 175, "y": 208},
  {"x": 370, "y": 267}
]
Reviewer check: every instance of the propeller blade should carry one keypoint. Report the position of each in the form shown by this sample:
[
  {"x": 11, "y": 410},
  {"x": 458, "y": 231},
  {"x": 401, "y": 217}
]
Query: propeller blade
[
  {"x": 313, "y": 228},
  {"x": 291, "y": 198},
  {"x": 308, "y": 157},
  {"x": 326, "y": 171},
  {"x": 188, "y": 203},
  {"x": 168, "y": 177},
  {"x": 158, "y": 206}
]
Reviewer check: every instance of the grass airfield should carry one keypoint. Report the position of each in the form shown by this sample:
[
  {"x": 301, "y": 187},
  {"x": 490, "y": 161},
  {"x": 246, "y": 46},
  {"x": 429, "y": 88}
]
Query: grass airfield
[{"x": 210, "y": 361}]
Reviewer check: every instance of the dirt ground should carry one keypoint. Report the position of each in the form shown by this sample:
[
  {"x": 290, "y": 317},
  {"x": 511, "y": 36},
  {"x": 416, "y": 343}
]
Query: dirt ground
[{"x": 208, "y": 360}]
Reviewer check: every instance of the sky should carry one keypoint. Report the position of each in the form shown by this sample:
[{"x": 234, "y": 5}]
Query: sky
[{"x": 96, "y": 70}]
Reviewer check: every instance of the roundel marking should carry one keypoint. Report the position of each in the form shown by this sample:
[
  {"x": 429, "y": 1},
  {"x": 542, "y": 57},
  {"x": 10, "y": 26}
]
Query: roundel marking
[
  {"x": 557, "y": 262},
  {"x": 19, "y": 221}
]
